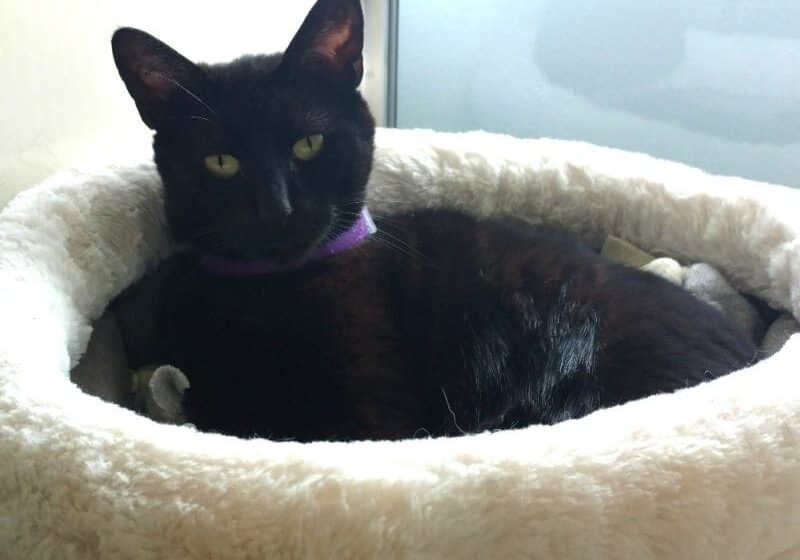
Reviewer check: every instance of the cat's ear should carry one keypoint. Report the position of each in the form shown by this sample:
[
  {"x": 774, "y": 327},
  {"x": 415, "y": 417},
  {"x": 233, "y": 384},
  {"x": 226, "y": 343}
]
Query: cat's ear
[
  {"x": 153, "y": 72},
  {"x": 330, "y": 42}
]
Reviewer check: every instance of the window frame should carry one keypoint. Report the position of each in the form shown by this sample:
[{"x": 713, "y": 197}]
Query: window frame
[{"x": 380, "y": 80}]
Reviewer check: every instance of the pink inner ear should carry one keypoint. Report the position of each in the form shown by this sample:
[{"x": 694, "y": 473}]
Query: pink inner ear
[
  {"x": 336, "y": 46},
  {"x": 158, "y": 82}
]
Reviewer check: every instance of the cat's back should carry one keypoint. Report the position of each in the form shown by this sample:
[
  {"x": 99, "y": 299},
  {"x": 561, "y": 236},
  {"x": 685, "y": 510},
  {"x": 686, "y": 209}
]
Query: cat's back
[{"x": 646, "y": 331}]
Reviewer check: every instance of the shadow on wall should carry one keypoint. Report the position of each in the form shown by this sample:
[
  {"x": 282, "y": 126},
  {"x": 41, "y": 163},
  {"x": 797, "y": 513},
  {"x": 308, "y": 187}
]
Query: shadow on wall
[{"x": 726, "y": 68}]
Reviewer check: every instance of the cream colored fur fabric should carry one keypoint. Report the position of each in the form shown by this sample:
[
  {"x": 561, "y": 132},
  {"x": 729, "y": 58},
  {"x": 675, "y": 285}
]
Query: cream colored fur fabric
[{"x": 706, "y": 473}]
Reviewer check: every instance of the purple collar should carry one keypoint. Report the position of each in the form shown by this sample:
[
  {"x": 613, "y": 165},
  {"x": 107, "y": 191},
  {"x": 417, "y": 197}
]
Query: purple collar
[{"x": 361, "y": 229}]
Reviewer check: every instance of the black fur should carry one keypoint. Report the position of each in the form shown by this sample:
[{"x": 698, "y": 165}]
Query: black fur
[{"x": 439, "y": 325}]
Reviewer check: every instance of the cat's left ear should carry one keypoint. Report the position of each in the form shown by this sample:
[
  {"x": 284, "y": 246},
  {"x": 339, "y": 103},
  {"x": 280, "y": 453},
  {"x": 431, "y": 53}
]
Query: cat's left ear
[
  {"x": 330, "y": 42},
  {"x": 153, "y": 73}
]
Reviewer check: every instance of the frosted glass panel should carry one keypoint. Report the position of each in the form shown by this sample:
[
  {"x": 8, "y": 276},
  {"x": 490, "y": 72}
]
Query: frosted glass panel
[{"x": 715, "y": 84}]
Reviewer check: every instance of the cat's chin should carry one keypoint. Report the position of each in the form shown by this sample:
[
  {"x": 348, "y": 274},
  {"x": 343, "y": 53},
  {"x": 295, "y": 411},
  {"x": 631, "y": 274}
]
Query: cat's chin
[
  {"x": 252, "y": 243},
  {"x": 276, "y": 251},
  {"x": 279, "y": 254}
]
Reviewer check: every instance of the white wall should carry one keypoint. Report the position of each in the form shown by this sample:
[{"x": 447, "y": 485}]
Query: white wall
[{"x": 62, "y": 102}]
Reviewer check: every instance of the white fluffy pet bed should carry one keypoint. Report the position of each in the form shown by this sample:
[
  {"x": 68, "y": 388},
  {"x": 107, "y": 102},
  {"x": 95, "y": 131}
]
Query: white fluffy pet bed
[{"x": 709, "y": 472}]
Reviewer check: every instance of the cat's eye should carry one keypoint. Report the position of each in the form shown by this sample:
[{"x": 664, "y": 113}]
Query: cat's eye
[
  {"x": 223, "y": 166},
  {"x": 309, "y": 147}
]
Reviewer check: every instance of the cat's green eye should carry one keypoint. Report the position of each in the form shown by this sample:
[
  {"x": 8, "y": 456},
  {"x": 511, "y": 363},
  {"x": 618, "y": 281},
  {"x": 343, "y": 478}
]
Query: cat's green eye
[
  {"x": 309, "y": 147},
  {"x": 223, "y": 166}
]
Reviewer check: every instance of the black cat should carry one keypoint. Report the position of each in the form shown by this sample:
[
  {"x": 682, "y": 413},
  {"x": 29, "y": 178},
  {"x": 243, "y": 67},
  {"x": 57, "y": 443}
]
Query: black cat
[{"x": 292, "y": 320}]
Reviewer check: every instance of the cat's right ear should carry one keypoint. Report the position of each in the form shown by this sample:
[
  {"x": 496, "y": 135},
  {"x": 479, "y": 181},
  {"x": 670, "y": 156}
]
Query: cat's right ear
[
  {"x": 329, "y": 43},
  {"x": 153, "y": 72}
]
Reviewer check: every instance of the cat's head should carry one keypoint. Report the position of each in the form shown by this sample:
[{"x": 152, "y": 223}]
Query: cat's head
[{"x": 265, "y": 157}]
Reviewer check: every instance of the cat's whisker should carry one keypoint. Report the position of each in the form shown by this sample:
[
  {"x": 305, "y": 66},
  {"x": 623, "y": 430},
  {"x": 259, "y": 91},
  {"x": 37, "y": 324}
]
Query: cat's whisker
[
  {"x": 411, "y": 249},
  {"x": 332, "y": 234},
  {"x": 390, "y": 241},
  {"x": 207, "y": 237},
  {"x": 452, "y": 412},
  {"x": 334, "y": 230},
  {"x": 349, "y": 214},
  {"x": 381, "y": 199},
  {"x": 192, "y": 117},
  {"x": 403, "y": 250},
  {"x": 188, "y": 92},
  {"x": 400, "y": 250},
  {"x": 393, "y": 221}
]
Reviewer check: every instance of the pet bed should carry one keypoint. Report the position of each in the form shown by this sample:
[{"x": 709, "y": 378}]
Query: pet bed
[{"x": 709, "y": 472}]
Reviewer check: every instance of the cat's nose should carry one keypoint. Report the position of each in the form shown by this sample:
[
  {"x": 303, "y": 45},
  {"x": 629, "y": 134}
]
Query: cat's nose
[{"x": 273, "y": 204}]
